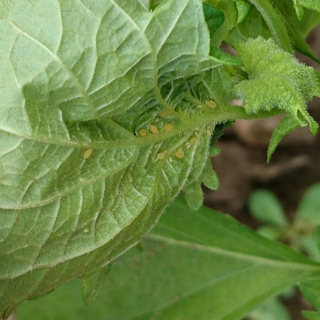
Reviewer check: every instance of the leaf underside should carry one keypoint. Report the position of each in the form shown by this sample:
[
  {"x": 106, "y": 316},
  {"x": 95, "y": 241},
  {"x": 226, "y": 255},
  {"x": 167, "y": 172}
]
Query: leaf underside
[
  {"x": 94, "y": 143},
  {"x": 106, "y": 114}
]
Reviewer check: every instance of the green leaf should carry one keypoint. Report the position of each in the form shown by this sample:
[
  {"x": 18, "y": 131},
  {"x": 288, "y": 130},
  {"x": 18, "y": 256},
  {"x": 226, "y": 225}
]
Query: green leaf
[
  {"x": 209, "y": 177},
  {"x": 92, "y": 143},
  {"x": 193, "y": 266},
  {"x": 310, "y": 4},
  {"x": 270, "y": 310},
  {"x": 308, "y": 244},
  {"x": 214, "y": 18},
  {"x": 266, "y": 207},
  {"x": 270, "y": 232},
  {"x": 92, "y": 282},
  {"x": 230, "y": 10},
  {"x": 194, "y": 196},
  {"x": 311, "y": 315},
  {"x": 276, "y": 80},
  {"x": 274, "y": 22},
  {"x": 222, "y": 57},
  {"x": 243, "y": 9},
  {"x": 311, "y": 290},
  {"x": 298, "y": 8},
  {"x": 252, "y": 27},
  {"x": 309, "y": 207},
  {"x": 297, "y": 29},
  {"x": 154, "y": 3},
  {"x": 285, "y": 126}
]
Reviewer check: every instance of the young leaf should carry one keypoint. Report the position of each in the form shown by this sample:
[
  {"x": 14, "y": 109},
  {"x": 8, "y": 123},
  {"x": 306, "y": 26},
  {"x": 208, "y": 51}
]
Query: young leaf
[
  {"x": 194, "y": 196},
  {"x": 193, "y": 266},
  {"x": 309, "y": 206},
  {"x": 209, "y": 177},
  {"x": 285, "y": 126},
  {"x": 272, "y": 309},
  {"x": 266, "y": 207},
  {"x": 79, "y": 183},
  {"x": 311, "y": 290},
  {"x": 276, "y": 80},
  {"x": 243, "y": 9}
]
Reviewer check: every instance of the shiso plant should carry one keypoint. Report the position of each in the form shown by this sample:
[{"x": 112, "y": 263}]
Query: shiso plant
[{"x": 109, "y": 110}]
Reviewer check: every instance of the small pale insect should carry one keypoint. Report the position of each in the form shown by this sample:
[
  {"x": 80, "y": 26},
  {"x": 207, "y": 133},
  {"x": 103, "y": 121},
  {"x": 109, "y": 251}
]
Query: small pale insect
[
  {"x": 161, "y": 155},
  {"x": 143, "y": 133},
  {"x": 153, "y": 129},
  {"x": 179, "y": 154},
  {"x": 164, "y": 113},
  {"x": 209, "y": 133},
  {"x": 168, "y": 127},
  {"x": 211, "y": 104},
  {"x": 87, "y": 154},
  {"x": 193, "y": 141}
]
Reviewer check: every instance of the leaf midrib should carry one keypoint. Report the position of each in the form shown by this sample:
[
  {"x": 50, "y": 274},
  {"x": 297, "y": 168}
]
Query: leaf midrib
[{"x": 233, "y": 254}]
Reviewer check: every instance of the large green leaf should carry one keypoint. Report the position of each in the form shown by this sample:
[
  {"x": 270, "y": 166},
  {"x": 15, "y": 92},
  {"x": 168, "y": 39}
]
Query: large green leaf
[
  {"x": 194, "y": 265},
  {"x": 87, "y": 108}
]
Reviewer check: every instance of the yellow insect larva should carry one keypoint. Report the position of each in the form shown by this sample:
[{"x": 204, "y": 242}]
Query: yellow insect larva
[
  {"x": 179, "y": 154},
  {"x": 193, "y": 141},
  {"x": 164, "y": 113},
  {"x": 153, "y": 129},
  {"x": 170, "y": 159},
  {"x": 86, "y": 230},
  {"x": 199, "y": 106},
  {"x": 87, "y": 154},
  {"x": 143, "y": 133},
  {"x": 211, "y": 104},
  {"x": 168, "y": 127},
  {"x": 209, "y": 133},
  {"x": 161, "y": 155}
]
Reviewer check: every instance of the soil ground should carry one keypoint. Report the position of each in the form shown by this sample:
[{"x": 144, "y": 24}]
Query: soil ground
[{"x": 242, "y": 168}]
